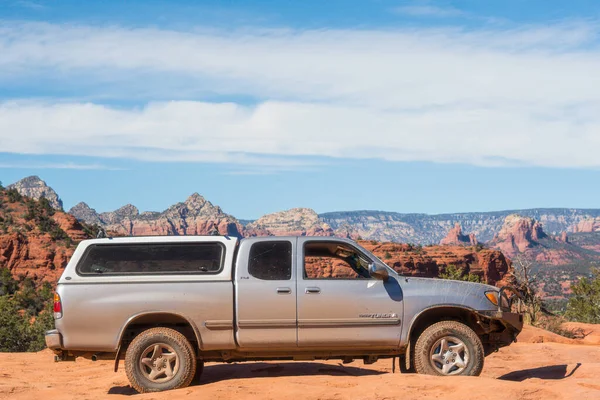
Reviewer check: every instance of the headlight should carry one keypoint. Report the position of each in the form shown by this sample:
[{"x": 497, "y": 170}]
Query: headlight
[{"x": 492, "y": 297}]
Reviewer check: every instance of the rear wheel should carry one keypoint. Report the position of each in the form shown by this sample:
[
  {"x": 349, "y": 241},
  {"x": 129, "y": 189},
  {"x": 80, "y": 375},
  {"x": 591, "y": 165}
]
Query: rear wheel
[
  {"x": 160, "y": 359},
  {"x": 449, "y": 348}
]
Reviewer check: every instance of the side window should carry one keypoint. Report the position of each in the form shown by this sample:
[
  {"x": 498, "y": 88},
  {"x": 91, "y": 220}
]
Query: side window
[
  {"x": 271, "y": 260},
  {"x": 331, "y": 260},
  {"x": 152, "y": 258}
]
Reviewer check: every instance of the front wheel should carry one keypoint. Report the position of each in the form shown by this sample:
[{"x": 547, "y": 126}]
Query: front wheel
[
  {"x": 449, "y": 348},
  {"x": 160, "y": 359}
]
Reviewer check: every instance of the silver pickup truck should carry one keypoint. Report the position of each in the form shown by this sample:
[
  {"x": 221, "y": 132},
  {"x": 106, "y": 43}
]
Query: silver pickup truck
[{"x": 167, "y": 305}]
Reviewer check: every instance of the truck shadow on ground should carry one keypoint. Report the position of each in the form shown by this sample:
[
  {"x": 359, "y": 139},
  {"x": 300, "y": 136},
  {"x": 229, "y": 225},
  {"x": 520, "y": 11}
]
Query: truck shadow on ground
[
  {"x": 223, "y": 372},
  {"x": 551, "y": 372}
]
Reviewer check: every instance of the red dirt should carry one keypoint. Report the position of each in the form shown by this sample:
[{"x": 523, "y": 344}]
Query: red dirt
[{"x": 521, "y": 371}]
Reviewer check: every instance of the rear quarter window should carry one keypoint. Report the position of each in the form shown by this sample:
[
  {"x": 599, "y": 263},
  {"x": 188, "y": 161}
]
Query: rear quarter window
[{"x": 152, "y": 259}]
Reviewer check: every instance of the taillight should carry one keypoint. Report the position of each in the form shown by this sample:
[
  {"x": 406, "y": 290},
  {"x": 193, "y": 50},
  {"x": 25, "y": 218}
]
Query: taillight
[{"x": 57, "y": 306}]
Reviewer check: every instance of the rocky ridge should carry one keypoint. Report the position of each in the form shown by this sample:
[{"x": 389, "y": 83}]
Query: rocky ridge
[
  {"x": 194, "y": 216},
  {"x": 35, "y": 188}
]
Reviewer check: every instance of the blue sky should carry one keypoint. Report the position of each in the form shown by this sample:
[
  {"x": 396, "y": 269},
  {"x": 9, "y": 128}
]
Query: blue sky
[{"x": 408, "y": 106}]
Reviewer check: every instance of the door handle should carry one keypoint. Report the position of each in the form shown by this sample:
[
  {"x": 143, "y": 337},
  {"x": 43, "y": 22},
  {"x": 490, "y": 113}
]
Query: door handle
[
  {"x": 312, "y": 290},
  {"x": 284, "y": 290}
]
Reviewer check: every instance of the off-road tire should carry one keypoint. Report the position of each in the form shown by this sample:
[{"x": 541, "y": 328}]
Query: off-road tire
[
  {"x": 439, "y": 330},
  {"x": 182, "y": 347}
]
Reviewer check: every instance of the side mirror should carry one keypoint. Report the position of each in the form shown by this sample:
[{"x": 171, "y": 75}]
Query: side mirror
[{"x": 378, "y": 272}]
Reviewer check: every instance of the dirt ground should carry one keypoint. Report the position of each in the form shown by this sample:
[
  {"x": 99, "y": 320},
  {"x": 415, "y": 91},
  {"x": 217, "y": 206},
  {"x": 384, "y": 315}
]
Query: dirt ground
[{"x": 540, "y": 366}]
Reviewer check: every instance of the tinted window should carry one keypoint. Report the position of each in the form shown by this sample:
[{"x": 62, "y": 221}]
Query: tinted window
[
  {"x": 155, "y": 258},
  {"x": 271, "y": 261}
]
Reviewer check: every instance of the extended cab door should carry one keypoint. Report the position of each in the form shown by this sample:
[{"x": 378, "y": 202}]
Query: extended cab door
[
  {"x": 339, "y": 304},
  {"x": 266, "y": 293}
]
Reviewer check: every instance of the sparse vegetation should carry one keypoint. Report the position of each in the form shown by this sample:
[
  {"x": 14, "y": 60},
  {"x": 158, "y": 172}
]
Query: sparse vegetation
[
  {"x": 387, "y": 255},
  {"x": 526, "y": 283},
  {"x": 455, "y": 273},
  {"x": 584, "y": 306},
  {"x": 13, "y": 195}
]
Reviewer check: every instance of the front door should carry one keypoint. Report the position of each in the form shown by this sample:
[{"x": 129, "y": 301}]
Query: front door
[
  {"x": 339, "y": 304},
  {"x": 266, "y": 294}
]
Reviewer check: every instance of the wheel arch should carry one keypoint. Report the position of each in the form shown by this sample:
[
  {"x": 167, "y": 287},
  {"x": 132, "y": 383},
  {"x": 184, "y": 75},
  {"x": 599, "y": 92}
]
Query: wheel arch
[
  {"x": 149, "y": 319},
  {"x": 446, "y": 312}
]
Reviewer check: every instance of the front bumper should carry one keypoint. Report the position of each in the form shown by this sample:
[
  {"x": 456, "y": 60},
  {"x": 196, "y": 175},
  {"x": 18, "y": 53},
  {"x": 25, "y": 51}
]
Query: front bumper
[
  {"x": 511, "y": 320},
  {"x": 54, "y": 340}
]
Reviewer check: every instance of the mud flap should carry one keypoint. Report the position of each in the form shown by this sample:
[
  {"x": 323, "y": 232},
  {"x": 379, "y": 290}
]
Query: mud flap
[{"x": 117, "y": 358}]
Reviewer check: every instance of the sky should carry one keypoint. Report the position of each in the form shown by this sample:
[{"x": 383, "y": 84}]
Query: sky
[{"x": 411, "y": 106}]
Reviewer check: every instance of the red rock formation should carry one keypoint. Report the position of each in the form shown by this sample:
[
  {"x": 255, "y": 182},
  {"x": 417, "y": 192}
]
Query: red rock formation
[
  {"x": 517, "y": 235},
  {"x": 455, "y": 237},
  {"x": 27, "y": 251},
  {"x": 563, "y": 238}
]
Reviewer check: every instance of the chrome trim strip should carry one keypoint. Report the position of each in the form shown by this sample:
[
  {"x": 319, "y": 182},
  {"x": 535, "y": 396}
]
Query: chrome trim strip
[
  {"x": 218, "y": 324},
  {"x": 346, "y": 322},
  {"x": 267, "y": 323}
]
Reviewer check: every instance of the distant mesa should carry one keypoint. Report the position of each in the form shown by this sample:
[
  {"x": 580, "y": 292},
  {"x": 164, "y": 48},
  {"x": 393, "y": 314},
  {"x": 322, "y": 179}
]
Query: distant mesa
[
  {"x": 294, "y": 222},
  {"x": 35, "y": 188},
  {"x": 588, "y": 225},
  {"x": 455, "y": 237}
]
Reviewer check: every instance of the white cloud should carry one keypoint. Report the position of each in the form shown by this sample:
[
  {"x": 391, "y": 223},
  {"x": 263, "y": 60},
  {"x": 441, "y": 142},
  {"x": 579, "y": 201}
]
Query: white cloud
[
  {"x": 520, "y": 96},
  {"x": 35, "y": 165}
]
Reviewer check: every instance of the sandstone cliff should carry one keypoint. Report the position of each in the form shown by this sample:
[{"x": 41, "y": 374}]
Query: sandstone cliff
[
  {"x": 36, "y": 242},
  {"x": 35, "y": 188}
]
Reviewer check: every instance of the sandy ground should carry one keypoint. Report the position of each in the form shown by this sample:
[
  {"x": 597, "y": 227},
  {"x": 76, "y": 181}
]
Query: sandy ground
[{"x": 535, "y": 368}]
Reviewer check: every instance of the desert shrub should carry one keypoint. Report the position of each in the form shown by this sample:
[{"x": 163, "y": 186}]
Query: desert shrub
[
  {"x": 455, "y": 273},
  {"x": 91, "y": 230},
  {"x": 13, "y": 195},
  {"x": 25, "y": 313},
  {"x": 14, "y": 332},
  {"x": 526, "y": 283},
  {"x": 387, "y": 255},
  {"x": 32, "y": 299},
  {"x": 555, "y": 325},
  {"x": 584, "y": 305},
  {"x": 8, "y": 284}
]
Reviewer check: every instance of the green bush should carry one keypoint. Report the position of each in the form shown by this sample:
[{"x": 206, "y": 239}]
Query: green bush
[
  {"x": 19, "y": 331},
  {"x": 584, "y": 305},
  {"x": 387, "y": 255},
  {"x": 13, "y": 195},
  {"x": 455, "y": 273},
  {"x": 25, "y": 313},
  {"x": 8, "y": 284}
]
